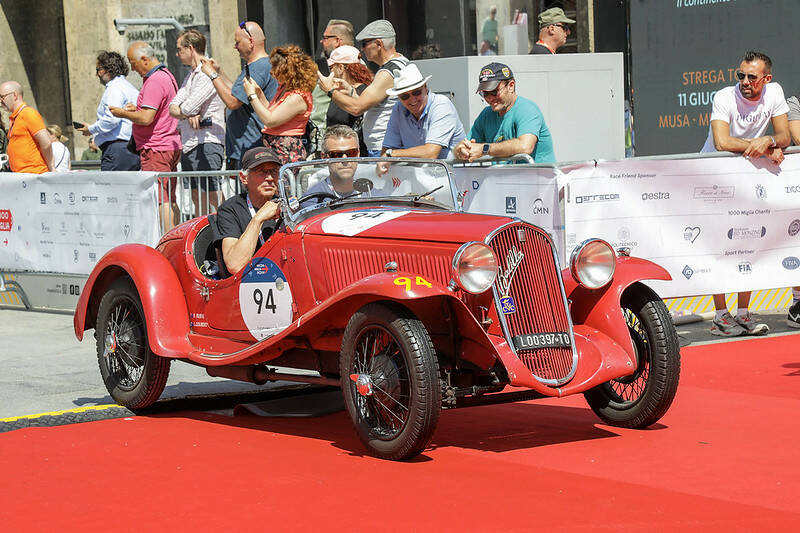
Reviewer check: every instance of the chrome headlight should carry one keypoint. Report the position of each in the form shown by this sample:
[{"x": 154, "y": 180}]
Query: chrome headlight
[
  {"x": 474, "y": 267},
  {"x": 592, "y": 263}
]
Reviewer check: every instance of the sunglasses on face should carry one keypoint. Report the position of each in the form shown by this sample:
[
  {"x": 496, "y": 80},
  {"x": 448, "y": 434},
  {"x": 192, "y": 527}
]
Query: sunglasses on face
[
  {"x": 752, "y": 77},
  {"x": 406, "y": 96},
  {"x": 243, "y": 25},
  {"x": 493, "y": 92},
  {"x": 336, "y": 154}
]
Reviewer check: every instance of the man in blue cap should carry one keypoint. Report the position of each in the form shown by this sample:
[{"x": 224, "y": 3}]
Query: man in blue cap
[{"x": 509, "y": 125}]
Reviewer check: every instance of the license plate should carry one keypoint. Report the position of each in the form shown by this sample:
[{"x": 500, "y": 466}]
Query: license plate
[{"x": 532, "y": 341}]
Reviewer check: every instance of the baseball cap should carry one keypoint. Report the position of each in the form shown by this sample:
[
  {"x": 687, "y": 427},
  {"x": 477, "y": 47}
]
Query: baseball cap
[
  {"x": 554, "y": 15},
  {"x": 344, "y": 54},
  {"x": 492, "y": 74},
  {"x": 377, "y": 29},
  {"x": 257, "y": 156}
]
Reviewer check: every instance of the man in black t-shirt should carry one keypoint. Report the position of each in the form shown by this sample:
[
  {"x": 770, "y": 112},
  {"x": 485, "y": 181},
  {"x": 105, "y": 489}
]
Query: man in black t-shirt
[{"x": 247, "y": 220}]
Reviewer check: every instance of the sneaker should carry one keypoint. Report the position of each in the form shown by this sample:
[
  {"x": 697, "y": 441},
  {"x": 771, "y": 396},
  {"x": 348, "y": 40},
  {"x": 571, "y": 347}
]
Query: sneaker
[
  {"x": 793, "y": 318},
  {"x": 750, "y": 326},
  {"x": 726, "y": 326}
]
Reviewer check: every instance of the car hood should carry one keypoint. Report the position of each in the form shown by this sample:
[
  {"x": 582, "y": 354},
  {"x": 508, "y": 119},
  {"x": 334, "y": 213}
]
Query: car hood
[{"x": 404, "y": 224}]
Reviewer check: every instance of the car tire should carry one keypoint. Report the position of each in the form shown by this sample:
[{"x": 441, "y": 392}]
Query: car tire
[
  {"x": 134, "y": 376},
  {"x": 641, "y": 399},
  {"x": 392, "y": 353}
]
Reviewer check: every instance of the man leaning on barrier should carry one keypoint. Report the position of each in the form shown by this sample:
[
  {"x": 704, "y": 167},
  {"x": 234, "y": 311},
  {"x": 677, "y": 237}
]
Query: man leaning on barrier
[
  {"x": 245, "y": 221},
  {"x": 739, "y": 119},
  {"x": 509, "y": 125},
  {"x": 793, "y": 316}
]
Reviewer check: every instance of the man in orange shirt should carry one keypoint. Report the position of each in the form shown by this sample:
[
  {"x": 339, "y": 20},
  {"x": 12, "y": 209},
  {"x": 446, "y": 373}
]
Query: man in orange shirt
[{"x": 29, "y": 147}]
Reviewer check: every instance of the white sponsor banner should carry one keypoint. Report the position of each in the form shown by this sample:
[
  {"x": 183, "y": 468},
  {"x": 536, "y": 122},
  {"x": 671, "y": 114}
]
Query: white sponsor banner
[
  {"x": 65, "y": 222},
  {"x": 716, "y": 224},
  {"x": 529, "y": 193}
]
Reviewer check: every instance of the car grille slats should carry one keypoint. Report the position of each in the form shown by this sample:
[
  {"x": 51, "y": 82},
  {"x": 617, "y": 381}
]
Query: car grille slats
[{"x": 538, "y": 298}]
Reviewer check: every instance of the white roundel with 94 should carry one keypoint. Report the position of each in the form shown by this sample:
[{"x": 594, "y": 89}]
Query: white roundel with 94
[{"x": 265, "y": 299}]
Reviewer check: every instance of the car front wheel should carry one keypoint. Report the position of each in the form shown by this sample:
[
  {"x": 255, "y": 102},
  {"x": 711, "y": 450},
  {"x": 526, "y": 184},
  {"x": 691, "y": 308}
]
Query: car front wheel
[
  {"x": 134, "y": 375},
  {"x": 390, "y": 381},
  {"x": 641, "y": 399}
]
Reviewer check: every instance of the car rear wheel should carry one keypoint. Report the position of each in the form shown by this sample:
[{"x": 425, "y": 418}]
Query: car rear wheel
[
  {"x": 390, "y": 381},
  {"x": 134, "y": 375},
  {"x": 641, "y": 399}
]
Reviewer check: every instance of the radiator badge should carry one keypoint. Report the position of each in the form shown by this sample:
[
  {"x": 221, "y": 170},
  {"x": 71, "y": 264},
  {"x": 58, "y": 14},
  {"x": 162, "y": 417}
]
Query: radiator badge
[{"x": 505, "y": 277}]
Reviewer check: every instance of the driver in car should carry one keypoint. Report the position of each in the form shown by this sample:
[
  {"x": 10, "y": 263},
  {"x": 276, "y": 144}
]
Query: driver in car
[
  {"x": 247, "y": 220},
  {"x": 339, "y": 142}
]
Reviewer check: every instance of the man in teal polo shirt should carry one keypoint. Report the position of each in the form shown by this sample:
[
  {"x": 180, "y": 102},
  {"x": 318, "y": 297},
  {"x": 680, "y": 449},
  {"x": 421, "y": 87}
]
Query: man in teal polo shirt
[{"x": 511, "y": 124}]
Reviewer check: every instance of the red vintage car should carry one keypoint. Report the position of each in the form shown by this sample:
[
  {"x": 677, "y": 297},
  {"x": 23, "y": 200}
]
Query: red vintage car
[{"x": 393, "y": 293}]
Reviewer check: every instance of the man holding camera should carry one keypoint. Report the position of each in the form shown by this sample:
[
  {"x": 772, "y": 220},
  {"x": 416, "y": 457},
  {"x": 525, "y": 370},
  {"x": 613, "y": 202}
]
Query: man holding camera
[{"x": 201, "y": 115}]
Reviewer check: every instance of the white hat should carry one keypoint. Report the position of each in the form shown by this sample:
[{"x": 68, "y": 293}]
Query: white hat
[
  {"x": 407, "y": 79},
  {"x": 344, "y": 54}
]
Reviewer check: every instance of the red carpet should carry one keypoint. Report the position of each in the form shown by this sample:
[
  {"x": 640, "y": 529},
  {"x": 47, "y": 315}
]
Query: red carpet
[{"x": 725, "y": 458}]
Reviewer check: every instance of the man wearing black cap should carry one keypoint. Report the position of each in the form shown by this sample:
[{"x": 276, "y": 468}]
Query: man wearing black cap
[
  {"x": 246, "y": 221},
  {"x": 553, "y": 31},
  {"x": 509, "y": 125},
  {"x": 377, "y": 45}
]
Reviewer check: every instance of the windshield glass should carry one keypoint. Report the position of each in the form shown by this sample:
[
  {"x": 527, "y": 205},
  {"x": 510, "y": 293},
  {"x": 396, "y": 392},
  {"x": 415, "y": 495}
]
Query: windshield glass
[{"x": 311, "y": 186}]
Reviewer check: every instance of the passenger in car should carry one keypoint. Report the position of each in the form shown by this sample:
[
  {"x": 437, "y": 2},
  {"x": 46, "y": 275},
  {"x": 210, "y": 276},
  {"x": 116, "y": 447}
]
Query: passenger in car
[
  {"x": 247, "y": 220},
  {"x": 339, "y": 142}
]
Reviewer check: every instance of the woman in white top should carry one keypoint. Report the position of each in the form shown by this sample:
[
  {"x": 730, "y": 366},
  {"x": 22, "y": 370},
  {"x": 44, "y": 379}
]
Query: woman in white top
[{"x": 61, "y": 155}]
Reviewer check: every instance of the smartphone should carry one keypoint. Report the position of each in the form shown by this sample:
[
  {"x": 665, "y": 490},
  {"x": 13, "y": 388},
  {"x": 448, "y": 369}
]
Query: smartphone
[
  {"x": 205, "y": 123},
  {"x": 77, "y": 125},
  {"x": 247, "y": 70}
]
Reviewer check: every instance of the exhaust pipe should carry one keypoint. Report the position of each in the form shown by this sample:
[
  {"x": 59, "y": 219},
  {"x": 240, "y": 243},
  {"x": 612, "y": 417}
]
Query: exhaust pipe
[{"x": 260, "y": 374}]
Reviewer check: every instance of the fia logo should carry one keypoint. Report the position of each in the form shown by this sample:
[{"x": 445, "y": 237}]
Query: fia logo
[
  {"x": 511, "y": 204},
  {"x": 745, "y": 267}
]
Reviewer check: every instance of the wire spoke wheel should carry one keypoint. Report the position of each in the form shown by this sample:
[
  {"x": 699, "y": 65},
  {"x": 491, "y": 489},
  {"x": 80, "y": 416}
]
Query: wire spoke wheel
[
  {"x": 132, "y": 373},
  {"x": 642, "y": 398},
  {"x": 390, "y": 381}
]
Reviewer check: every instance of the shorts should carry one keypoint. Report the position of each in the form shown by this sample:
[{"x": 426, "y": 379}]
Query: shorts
[
  {"x": 205, "y": 156},
  {"x": 166, "y": 161}
]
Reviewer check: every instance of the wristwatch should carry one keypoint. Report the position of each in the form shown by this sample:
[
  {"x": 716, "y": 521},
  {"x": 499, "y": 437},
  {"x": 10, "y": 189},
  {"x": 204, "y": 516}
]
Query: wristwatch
[
  {"x": 252, "y": 97},
  {"x": 330, "y": 93},
  {"x": 213, "y": 75},
  {"x": 486, "y": 149},
  {"x": 388, "y": 152}
]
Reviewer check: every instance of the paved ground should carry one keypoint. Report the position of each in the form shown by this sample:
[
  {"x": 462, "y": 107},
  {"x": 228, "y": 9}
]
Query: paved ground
[{"x": 46, "y": 369}]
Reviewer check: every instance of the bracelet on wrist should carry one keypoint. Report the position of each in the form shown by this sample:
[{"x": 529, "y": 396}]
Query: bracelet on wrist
[
  {"x": 330, "y": 93},
  {"x": 252, "y": 97}
]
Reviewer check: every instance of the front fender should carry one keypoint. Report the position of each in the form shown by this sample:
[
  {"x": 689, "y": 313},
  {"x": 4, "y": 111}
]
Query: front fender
[
  {"x": 601, "y": 308},
  {"x": 165, "y": 312}
]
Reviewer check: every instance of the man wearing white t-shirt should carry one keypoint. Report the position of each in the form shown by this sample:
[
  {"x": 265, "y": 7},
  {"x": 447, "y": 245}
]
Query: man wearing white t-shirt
[{"x": 739, "y": 119}]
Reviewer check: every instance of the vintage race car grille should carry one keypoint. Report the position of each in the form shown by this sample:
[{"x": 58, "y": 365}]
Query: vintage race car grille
[{"x": 531, "y": 304}]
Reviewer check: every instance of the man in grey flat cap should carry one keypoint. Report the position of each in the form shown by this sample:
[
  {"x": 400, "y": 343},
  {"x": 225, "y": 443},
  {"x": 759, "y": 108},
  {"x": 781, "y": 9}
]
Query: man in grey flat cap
[
  {"x": 553, "y": 31},
  {"x": 378, "y": 45}
]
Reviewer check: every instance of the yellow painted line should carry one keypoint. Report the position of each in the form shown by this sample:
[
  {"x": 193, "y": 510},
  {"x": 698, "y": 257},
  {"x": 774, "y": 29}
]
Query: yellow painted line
[{"x": 56, "y": 413}]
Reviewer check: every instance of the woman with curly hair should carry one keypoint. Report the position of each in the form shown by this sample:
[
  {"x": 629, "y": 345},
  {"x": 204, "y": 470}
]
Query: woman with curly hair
[
  {"x": 345, "y": 64},
  {"x": 286, "y": 115}
]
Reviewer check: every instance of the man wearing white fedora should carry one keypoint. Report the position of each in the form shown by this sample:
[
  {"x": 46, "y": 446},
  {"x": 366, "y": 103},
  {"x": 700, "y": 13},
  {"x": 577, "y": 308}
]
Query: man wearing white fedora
[{"x": 422, "y": 124}]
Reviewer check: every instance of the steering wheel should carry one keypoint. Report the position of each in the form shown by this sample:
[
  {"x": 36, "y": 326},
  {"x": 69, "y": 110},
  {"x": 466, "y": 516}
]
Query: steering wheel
[{"x": 321, "y": 195}]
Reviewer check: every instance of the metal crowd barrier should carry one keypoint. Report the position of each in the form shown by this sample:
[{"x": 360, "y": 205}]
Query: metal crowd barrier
[{"x": 192, "y": 195}]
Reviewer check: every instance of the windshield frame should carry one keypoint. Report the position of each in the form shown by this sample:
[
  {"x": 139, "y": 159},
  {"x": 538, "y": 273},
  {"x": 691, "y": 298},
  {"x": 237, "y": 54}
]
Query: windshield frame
[{"x": 291, "y": 220}]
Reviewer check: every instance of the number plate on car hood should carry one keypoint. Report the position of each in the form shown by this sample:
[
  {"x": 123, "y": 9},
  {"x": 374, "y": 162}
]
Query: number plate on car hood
[{"x": 531, "y": 341}]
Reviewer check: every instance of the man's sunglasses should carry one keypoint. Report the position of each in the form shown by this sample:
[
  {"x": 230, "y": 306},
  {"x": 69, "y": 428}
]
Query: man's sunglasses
[
  {"x": 243, "y": 25},
  {"x": 492, "y": 92},
  {"x": 409, "y": 94},
  {"x": 752, "y": 77},
  {"x": 336, "y": 154}
]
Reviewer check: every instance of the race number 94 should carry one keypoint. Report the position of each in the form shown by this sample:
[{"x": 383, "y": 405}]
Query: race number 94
[
  {"x": 406, "y": 282},
  {"x": 263, "y": 302}
]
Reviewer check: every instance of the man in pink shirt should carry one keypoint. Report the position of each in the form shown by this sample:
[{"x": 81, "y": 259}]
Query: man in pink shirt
[{"x": 154, "y": 130}]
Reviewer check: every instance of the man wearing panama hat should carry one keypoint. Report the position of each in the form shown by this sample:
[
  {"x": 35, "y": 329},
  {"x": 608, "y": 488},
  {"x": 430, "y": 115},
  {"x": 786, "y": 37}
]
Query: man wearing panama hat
[{"x": 422, "y": 124}]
